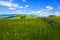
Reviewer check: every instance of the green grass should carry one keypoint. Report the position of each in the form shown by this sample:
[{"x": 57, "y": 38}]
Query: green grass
[
  {"x": 57, "y": 19},
  {"x": 28, "y": 29}
]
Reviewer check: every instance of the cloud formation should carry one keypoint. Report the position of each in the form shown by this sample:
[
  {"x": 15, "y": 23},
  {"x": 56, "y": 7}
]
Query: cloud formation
[
  {"x": 12, "y": 8},
  {"x": 57, "y": 13},
  {"x": 11, "y": 5},
  {"x": 41, "y": 13},
  {"x": 49, "y": 8},
  {"x": 26, "y": 6},
  {"x": 24, "y": 0},
  {"x": 59, "y": 7},
  {"x": 10, "y": 0},
  {"x": 44, "y": 12}
]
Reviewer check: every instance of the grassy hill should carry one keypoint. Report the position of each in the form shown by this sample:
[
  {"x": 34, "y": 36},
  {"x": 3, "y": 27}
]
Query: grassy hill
[
  {"x": 28, "y": 29},
  {"x": 57, "y": 19},
  {"x": 17, "y": 16},
  {"x": 20, "y": 16}
]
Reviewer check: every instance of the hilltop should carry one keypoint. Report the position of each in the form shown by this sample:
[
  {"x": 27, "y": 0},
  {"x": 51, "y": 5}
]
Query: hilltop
[
  {"x": 17, "y": 16},
  {"x": 28, "y": 29}
]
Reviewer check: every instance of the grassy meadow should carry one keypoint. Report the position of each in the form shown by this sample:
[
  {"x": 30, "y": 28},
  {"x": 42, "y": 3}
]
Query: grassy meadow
[
  {"x": 57, "y": 19},
  {"x": 28, "y": 29}
]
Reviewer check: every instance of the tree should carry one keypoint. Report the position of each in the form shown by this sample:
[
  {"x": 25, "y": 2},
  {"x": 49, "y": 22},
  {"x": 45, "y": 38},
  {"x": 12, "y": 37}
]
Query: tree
[
  {"x": 51, "y": 17},
  {"x": 23, "y": 16}
]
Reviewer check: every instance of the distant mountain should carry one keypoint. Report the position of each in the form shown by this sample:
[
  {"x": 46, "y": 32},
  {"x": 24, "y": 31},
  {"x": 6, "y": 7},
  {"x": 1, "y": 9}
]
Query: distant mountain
[
  {"x": 5, "y": 16},
  {"x": 17, "y": 16},
  {"x": 20, "y": 16}
]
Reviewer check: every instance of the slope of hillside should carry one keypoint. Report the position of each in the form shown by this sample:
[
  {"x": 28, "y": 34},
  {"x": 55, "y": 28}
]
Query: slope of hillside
[
  {"x": 17, "y": 16},
  {"x": 7, "y": 16},
  {"x": 28, "y": 29},
  {"x": 57, "y": 19},
  {"x": 20, "y": 16}
]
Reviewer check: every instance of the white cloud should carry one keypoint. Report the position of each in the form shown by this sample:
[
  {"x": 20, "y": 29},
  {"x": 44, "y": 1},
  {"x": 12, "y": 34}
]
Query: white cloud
[
  {"x": 44, "y": 12},
  {"x": 11, "y": 5},
  {"x": 26, "y": 6},
  {"x": 38, "y": 11},
  {"x": 7, "y": 0},
  {"x": 10, "y": 0},
  {"x": 59, "y": 8},
  {"x": 12, "y": 8},
  {"x": 41, "y": 13},
  {"x": 21, "y": 7},
  {"x": 49, "y": 8},
  {"x": 33, "y": 11},
  {"x": 24, "y": 0},
  {"x": 57, "y": 13},
  {"x": 20, "y": 11},
  {"x": 8, "y": 4}
]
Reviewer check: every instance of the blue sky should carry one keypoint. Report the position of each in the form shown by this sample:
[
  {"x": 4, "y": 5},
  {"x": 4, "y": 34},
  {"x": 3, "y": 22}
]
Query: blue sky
[{"x": 38, "y": 7}]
